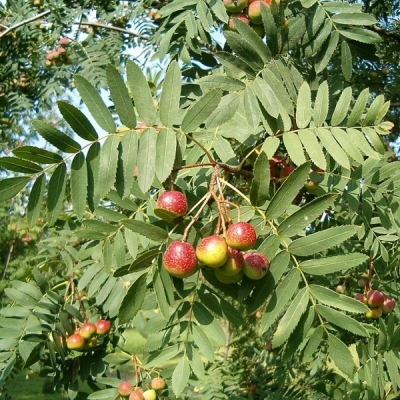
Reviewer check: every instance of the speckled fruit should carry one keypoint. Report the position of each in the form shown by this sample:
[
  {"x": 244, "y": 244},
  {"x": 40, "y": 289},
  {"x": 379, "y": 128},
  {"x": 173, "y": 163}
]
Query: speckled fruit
[
  {"x": 150, "y": 394},
  {"x": 180, "y": 259},
  {"x": 228, "y": 279},
  {"x": 374, "y": 313},
  {"x": 254, "y": 11},
  {"x": 375, "y": 298},
  {"x": 103, "y": 327},
  {"x": 136, "y": 395},
  {"x": 212, "y": 251},
  {"x": 76, "y": 342},
  {"x": 234, "y": 264},
  {"x": 235, "y": 6},
  {"x": 157, "y": 383},
  {"x": 125, "y": 388},
  {"x": 388, "y": 304},
  {"x": 87, "y": 330},
  {"x": 255, "y": 266},
  {"x": 241, "y": 236},
  {"x": 174, "y": 202}
]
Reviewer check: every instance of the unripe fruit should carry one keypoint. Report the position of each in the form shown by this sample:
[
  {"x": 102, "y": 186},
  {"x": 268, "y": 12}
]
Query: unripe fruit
[
  {"x": 76, "y": 342},
  {"x": 136, "y": 395},
  {"x": 157, "y": 383},
  {"x": 173, "y": 201},
  {"x": 361, "y": 297},
  {"x": 374, "y": 313},
  {"x": 255, "y": 266},
  {"x": 180, "y": 259},
  {"x": 150, "y": 394},
  {"x": 254, "y": 12},
  {"x": 229, "y": 279},
  {"x": 375, "y": 298},
  {"x": 103, "y": 327},
  {"x": 212, "y": 251},
  {"x": 234, "y": 264},
  {"x": 241, "y": 236},
  {"x": 340, "y": 289},
  {"x": 311, "y": 187},
  {"x": 125, "y": 388},
  {"x": 87, "y": 330},
  {"x": 90, "y": 344},
  {"x": 235, "y": 6},
  {"x": 259, "y": 29},
  {"x": 388, "y": 304}
]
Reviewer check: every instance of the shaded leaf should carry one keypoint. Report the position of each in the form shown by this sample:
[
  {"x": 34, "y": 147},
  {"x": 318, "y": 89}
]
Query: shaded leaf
[
  {"x": 79, "y": 184},
  {"x": 147, "y": 159},
  {"x": 55, "y": 193},
  {"x": 35, "y": 199},
  {"x": 259, "y": 190}
]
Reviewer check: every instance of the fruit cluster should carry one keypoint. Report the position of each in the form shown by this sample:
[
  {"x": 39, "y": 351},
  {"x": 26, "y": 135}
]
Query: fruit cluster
[
  {"x": 223, "y": 254},
  {"x": 126, "y": 390},
  {"x": 59, "y": 56},
  {"x": 85, "y": 337},
  {"x": 377, "y": 302}
]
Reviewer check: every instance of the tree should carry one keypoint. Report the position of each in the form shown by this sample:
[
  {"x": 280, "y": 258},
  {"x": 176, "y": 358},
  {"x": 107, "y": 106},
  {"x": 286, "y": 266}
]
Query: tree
[{"x": 266, "y": 128}]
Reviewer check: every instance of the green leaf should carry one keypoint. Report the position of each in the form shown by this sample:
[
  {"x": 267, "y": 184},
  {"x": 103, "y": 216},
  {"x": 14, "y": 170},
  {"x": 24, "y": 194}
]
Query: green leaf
[
  {"x": 374, "y": 139},
  {"x": 325, "y": 53},
  {"x": 200, "y": 312},
  {"x": 17, "y": 165},
  {"x": 177, "y": 5},
  {"x": 291, "y": 318},
  {"x": 147, "y": 159},
  {"x": 235, "y": 65},
  {"x": 266, "y": 96},
  {"x": 35, "y": 200},
  {"x": 346, "y": 61},
  {"x": 107, "y": 166},
  {"x": 38, "y": 155},
  {"x": 313, "y": 147},
  {"x": 270, "y": 146},
  {"x": 303, "y": 107},
  {"x": 141, "y": 93},
  {"x": 343, "y": 139},
  {"x": 93, "y": 162},
  {"x": 288, "y": 191},
  {"x": 341, "y": 355},
  {"x": 146, "y": 229},
  {"x": 105, "y": 394},
  {"x": 358, "y": 108},
  {"x": 95, "y": 104},
  {"x": 354, "y": 19},
  {"x": 333, "y": 299},
  {"x": 342, "y": 106},
  {"x": 133, "y": 300},
  {"x": 329, "y": 265},
  {"x": 358, "y": 138},
  {"x": 20, "y": 298},
  {"x": 143, "y": 261},
  {"x": 259, "y": 191},
  {"x": 333, "y": 148},
  {"x": 170, "y": 95},
  {"x": 321, "y": 105},
  {"x": 320, "y": 241},
  {"x": 79, "y": 184},
  {"x": 200, "y": 111},
  {"x": 120, "y": 96},
  {"x": 78, "y": 121},
  {"x": 58, "y": 139},
  {"x": 373, "y": 110},
  {"x": 294, "y": 147},
  {"x": 221, "y": 81},
  {"x": 55, "y": 193},
  {"x": 224, "y": 112},
  {"x": 196, "y": 363},
  {"x": 100, "y": 226},
  {"x": 11, "y": 186},
  {"x": 203, "y": 342},
  {"x": 165, "y": 153},
  {"x": 215, "y": 331},
  {"x": 269, "y": 246},
  {"x": 128, "y": 156},
  {"x": 341, "y": 320},
  {"x": 391, "y": 361},
  {"x": 361, "y": 35},
  {"x": 224, "y": 150},
  {"x": 180, "y": 376}
]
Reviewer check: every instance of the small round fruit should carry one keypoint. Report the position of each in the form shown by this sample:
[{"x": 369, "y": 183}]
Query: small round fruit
[
  {"x": 375, "y": 298},
  {"x": 76, "y": 342},
  {"x": 311, "y": 187},
  {"x": 362, "y": 282},
  {"x": 136, "y": 395},
  {"x": 361, "y": 297},
  {"x": 228, "y": 279},
  {"x": 90, "y": 344},
  {"x": 241, "y": 236},
  {"x": 255, "y": 266},
  {"x": 231, "y": 22},
  {"x": 174, "y": 202},
  {"x": 388, "y": 305},
  {"x": 150, "y": 394},
  {"x": 157, "y": 383},
  {"x": 374, "y": 313},
  {"x": 180, "y": 259},
  {"x": 254, "y": 12},
  {"x": 103, "y": 327},
  {"x": 340, "y": 289},
  {"x": 235, "y": 6},
  {"x": 212, "y": 251},
  {"x": 234, "y": 264},
  {"x": 87, "y": 330},
  {"x": 125, "y": 388}
]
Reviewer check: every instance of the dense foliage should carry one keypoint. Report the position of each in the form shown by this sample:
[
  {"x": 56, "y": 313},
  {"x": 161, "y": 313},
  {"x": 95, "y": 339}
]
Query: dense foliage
[{"x": 278, "y": 129}]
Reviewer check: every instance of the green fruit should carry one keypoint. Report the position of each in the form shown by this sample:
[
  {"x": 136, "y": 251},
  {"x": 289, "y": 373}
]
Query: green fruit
[
  {"x": 180, "y": 259},
  {"x": 374, "y": 313},
  {"x": 150, "y": 394},
  {"x": 90, "y": 344},
  {"x": 235, "y": 6},
  {"x": 234, "y": 264},
  {"x": 255, "y": 266},
  {"x": 212, "y": 251}
]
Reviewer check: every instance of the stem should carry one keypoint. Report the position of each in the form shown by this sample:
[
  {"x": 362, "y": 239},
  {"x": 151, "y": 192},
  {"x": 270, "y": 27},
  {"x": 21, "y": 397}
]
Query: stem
[
  {"x": 26, "y": 21},
  {"x": 10, "y": 250},
  {"x": 113, "y": 28}
]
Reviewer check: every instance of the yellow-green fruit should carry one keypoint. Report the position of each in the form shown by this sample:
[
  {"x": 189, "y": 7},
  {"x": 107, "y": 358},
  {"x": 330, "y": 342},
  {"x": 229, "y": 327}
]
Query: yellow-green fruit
[
  {"x": 229, "y": 279},
  {"x": 212, "y": 251},
  {"x": 234, "y": 264}
]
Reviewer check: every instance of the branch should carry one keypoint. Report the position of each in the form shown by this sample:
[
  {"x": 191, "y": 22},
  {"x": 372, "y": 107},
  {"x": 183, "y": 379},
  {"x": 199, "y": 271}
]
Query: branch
[
  {"x": 26, "y": 21},
  {"x": 384, "y": 32}
]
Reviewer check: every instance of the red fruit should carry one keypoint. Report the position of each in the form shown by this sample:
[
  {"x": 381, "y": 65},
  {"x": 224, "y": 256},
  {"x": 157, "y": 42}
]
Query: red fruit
[
  {"x": 136, "y": 395},
  {"x": 388, "y": 304},
  {"x": 76, "y": 342},
  {"x": 103, "y": 327},
  {"x": 173, "y": 202},
  {"x": 212, "y": 251},
  {"x": 255, "y": 266},
  {"x": 375, "y": 298},
  {"x": 362, "y": 282},
  {"x": 87, "y": 330},
  {"x": 241, "y": 236},
  {"x": 180, "y": 259},
  {"x": 374, "y": 313},
  {"x": 157, "y": 383},
  {"x": 286, "y": 171},
  {"x": 125, "y": 388},
  {"x": 361, "y": 297},
  {"x": 235, "y": 6},
  {"x": 243, "y": 17},
  {"x": 254, "y": 12},
  {"x": 234, "y": 264},
  {"x": 63, "y": 42}
]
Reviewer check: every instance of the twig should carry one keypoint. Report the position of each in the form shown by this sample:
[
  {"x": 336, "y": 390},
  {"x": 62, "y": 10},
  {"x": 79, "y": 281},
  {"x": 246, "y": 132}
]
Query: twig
[
  {"x": 113, "y": 28},
  {"x": 26, "y": 21},
  {"x": 10, "y": 250},
  {"x": 384, "y": 32}
]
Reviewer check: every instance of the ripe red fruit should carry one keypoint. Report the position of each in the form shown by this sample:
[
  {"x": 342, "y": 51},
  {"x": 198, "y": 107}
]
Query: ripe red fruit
[
  {"x": 286, "y": 171},
  {"x": 173, "y": 201},
  {"x": 374, "y": 313},
  {"x": 375, "y": 298},
  {"x": 254, "y": 11},
  {"x": 76, "y": 342},
  {"x": 136, "y": 395},
  {"x": 255, "y": 266},
  {"x": 241, "y": 236},
  {"x": 180, "y": 259},
  {"x": 212, "y": 251},
  {"x": 103, "y": 327},
  {"x": 87, "y": 330},
  {"x": 234, "y": 264},
  {"x": 125, "y": 388},
  {"x": 235, "y": 6},
  {"x": 64, "y": 41},
  {"x": 157, "y": 383},
  {"x": 388, "y": 304}
]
